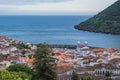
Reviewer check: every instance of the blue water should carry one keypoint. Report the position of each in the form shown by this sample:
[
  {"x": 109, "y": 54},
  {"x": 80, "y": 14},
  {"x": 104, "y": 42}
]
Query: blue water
[{"x": 53, "y": 30}]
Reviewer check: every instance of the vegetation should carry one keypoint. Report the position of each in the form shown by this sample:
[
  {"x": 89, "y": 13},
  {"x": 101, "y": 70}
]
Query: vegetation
[
  {"x": 75, "y": 76},
  {"x": 108, "y": 74},
  {"x": 108, "y": 79},
  {"x": 44, "y": 64},
  {"x": 107, "y": 21},
  {"x": 88, "y": 78},
  {"x": 20, "y": 68},
  {"x": 30, "y": 56},
  {"x": 23, "y": 46},
  {"x": 6, "y": 75}
]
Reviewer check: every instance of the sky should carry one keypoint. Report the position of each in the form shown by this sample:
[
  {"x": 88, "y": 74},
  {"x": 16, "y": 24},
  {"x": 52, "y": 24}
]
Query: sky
[{"x": 53, "y": 7}]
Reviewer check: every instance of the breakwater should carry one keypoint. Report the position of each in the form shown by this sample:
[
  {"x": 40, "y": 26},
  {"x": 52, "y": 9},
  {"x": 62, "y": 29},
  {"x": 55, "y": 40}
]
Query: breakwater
[
  {"x": 69, "y": 46},
  {"x": 62, "y": 46}
]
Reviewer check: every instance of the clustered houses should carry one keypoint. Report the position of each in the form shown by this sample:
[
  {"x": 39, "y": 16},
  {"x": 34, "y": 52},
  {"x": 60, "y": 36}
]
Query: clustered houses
[
  {"x": 84, "y": 60},
  {"x": 87, "y": 61},
  {"x": 10, "y": 53}
]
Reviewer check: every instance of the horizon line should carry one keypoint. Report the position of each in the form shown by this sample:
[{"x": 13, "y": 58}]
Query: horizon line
[{"x": 47, "y": 15}]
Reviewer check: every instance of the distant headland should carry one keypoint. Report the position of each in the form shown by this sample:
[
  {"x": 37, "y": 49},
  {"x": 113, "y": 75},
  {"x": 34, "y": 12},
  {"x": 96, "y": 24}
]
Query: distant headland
[{"x": 107, "y": 21}]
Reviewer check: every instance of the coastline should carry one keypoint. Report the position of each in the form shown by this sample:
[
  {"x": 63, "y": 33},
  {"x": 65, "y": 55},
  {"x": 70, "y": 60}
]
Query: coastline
[
  {"x": 76, "y": 27},
  {"x": 62, "y": 46}
]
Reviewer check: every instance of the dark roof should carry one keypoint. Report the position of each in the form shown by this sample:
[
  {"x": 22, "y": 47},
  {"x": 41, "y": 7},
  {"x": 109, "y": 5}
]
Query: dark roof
[{"x": 3, "y": 57}]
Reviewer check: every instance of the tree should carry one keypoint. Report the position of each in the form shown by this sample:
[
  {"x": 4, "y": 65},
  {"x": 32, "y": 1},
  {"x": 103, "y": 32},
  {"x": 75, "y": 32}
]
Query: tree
[
  {"x": 108, "y": 79},
  {"x": 108, "y": 74},
  {"x": 23, "y": 46},
  {"x": 88, "y": 78},
  {"x": 20, "y": 68},
  {"x": 6, "y": 75},
  {"x": 24, "y": 75},
  {"x": 44, "y": 64},
  {"x": 75, "y": 76}
]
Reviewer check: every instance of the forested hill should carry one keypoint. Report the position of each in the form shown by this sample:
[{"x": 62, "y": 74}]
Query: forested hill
[{"x": 107, "y": 21}]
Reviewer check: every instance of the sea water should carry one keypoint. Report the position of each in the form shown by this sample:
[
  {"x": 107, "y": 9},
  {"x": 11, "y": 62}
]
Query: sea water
[{"x": 54, "y": 30}]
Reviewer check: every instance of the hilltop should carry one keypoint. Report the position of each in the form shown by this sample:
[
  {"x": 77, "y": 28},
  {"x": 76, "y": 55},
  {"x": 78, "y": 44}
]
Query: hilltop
[{"x": 107, "y": 21}]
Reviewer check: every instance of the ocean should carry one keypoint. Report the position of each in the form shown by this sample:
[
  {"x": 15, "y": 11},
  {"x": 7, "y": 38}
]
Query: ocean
[{"x": 54, "y": 30}]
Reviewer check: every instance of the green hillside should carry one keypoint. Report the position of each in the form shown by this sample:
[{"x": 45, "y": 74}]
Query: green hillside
[{"x": 107, "y": 21}]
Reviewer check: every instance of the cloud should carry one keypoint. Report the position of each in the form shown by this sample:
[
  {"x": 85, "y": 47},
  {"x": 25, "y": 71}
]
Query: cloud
[
  {"x": 49, "y": 7},
  {"x": 22, "y": 2}
]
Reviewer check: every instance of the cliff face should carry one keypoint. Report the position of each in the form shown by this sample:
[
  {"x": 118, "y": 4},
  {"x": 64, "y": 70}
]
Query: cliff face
[{"x": 107, "y": 21}]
